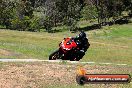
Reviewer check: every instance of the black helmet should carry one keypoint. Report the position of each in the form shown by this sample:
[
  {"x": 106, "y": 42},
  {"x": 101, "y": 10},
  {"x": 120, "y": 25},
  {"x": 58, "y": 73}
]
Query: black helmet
[{"x": 82, "y": 35}]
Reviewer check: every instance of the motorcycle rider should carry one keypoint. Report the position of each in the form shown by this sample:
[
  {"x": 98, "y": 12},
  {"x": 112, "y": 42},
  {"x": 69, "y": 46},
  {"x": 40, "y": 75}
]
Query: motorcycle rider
[
  {"x": 83, "y": 44},
  {"x": 74, "y": 48}
]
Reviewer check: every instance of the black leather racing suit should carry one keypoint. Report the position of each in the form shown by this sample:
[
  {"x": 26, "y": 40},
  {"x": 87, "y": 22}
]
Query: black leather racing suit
[{"x": 83, "y": 45}]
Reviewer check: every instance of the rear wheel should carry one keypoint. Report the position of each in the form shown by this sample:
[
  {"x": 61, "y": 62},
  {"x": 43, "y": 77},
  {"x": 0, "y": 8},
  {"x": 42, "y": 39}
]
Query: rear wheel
[{"x": 55, "y": 55}]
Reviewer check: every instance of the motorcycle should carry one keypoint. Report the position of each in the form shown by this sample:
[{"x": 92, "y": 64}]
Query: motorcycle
[{"x": 67, "y": 50}]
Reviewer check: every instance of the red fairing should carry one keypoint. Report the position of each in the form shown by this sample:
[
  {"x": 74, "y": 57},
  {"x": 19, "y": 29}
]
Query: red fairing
[{"x": 68, "y": 44}]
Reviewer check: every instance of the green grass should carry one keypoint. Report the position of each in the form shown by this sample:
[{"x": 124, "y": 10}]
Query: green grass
[
  {"x": 31, "y": 45},
  {"x": 110, "y": 44}
]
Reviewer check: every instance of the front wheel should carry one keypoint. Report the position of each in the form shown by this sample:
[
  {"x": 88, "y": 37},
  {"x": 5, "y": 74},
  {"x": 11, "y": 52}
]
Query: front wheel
[{"x": 55, "y": 55}]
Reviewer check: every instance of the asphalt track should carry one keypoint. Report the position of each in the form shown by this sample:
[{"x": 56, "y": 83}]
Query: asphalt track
[{"x": 57, "y": 61}]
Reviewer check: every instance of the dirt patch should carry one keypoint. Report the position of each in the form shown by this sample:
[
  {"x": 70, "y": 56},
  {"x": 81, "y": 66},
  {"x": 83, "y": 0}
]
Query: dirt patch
[
  {"x": 4, "y": 52},
  {"x": 38, "y": 75}
]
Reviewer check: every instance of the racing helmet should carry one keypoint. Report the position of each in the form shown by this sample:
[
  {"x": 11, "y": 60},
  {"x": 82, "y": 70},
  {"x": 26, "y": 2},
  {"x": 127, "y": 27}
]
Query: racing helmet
[{"x": 81, "y": 35}]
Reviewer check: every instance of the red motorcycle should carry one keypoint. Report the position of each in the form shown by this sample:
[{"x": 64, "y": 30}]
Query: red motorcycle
[{"x": 67, "y": 50}]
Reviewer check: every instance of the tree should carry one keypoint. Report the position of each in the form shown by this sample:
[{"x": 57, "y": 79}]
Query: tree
[
  {"x": 7, "y": 12},
  {"x": 109, "y": 8},
  {"x": 64, "y": 12}
]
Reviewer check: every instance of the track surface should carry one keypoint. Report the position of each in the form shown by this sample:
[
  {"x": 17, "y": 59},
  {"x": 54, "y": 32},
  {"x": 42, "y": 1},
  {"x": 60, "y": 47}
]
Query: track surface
[{"x": 37, "y": 60}]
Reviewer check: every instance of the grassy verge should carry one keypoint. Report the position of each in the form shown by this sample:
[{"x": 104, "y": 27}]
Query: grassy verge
[{"x": 110, "y": 44}]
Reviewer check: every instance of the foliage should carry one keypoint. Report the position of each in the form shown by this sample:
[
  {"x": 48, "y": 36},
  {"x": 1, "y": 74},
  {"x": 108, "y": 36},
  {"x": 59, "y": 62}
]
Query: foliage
[
  {"x": 34, "y": 24},
  {"x": 20, "y": 14},
  {"x": 7, "y": 12},
  {"x": 62, "y": 12},
  {"x": 89, "y": 12},
  {"x": 106, "y": 9}
]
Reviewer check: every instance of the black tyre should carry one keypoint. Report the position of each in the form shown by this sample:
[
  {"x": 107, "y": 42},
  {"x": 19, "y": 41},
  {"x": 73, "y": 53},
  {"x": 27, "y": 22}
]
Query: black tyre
[
  {"x": 55, "y": 55},
  {"x": 75, "y": 57},
  {"x": 81, "y": 80}
]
